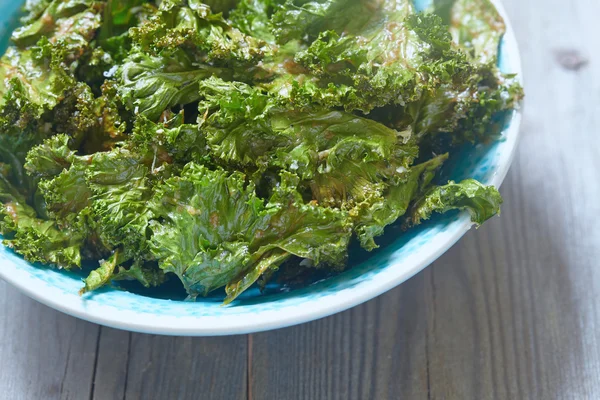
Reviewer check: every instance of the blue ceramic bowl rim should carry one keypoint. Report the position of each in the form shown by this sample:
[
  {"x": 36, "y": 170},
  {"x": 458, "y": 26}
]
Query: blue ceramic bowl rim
[{"x": 124, "y": 310}]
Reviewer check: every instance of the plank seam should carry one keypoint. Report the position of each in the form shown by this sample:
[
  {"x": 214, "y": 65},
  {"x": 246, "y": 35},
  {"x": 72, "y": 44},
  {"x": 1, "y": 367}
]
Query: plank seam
[
  {"x": 129, "y": 339},
  {"x": 93, "y": 385},
  {"x": 249, "y": 368}
]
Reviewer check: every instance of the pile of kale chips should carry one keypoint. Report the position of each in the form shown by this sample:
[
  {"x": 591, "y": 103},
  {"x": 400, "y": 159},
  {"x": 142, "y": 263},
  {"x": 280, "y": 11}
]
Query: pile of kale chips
[{"x": 218, "y": 141}]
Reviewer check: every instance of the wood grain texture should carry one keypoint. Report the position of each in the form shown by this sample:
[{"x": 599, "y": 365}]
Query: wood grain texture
[
  {"x": 511, "y": 312},
  {"x": 112, "y": 364},
  {"x": 43, "y": 354},
  {"x": 375, "y": 351},
  {"x": 147, "y": 367},
  {"x": 186, "y": 368}
]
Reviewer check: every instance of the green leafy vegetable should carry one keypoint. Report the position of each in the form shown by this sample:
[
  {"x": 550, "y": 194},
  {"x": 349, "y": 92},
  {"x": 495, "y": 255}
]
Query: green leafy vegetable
[
  {"x": 223, "y": 230},
  {"x": 36, "y": 239},
  {"x": 39, "y": 71},
  {"x": 71, "y": 23},
  {"x": 150, "y": 85},
  {"x": 482, "y": 202},
  {"x": 194, "y": 27},
  {"x": 475, "y": 25},
  {"x": 216, "y": 142}
]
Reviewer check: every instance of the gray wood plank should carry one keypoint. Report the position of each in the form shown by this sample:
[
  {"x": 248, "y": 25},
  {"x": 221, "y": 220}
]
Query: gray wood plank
[
  {"x": 174, "y": 368},
  {"x": 374, "y": 351},
  {"x": 510, "y": 312},
  {"x": 112, "y": 364},
  {"x": 43, "y": 354},
  {"x": 137, "y": 366}
]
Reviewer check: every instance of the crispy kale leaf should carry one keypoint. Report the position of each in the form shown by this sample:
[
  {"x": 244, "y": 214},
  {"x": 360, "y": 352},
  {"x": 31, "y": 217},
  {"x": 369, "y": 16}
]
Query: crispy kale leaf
[
  {"x": 344, "y": 161},
  {"x": 149, "y": 85},
  {"x": 476, "y": 26},
  {"x": 215, "y": 230},
  {"x": 360, "y": 55},
  {"x": 33, "y": 9},
  {"x": 372, "y": 217},
  {"x": 468, "y": 102},
  {"x": 173, "y": 138},
  {"x": 36, "y": 239},
  {"x": 20, "y": 129},
  {"x": 178, "y": 47},
  {"x": 401, "y": 65},
  {"x": 71, "y": 23},
  {"x": 121, "y": 183},
  {"x": 105, "y": 198},
  {"x": 253, "y": 17},
  {"x": 470, "y": 106},
  {"x": 482, "y": 202},
  {"x": 191, "y": 25},
  {"x": 247, "y": 126},
  {"x": 40, "y": 72},
  {"x": 120, "y": 15},
  {"x": 49, "y": 159}
]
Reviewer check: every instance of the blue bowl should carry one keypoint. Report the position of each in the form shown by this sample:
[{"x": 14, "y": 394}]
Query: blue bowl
[{"x": 402, "y": 256}]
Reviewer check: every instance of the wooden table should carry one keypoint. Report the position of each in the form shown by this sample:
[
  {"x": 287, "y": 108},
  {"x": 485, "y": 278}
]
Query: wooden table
[{"x": 511, "y": 312}]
